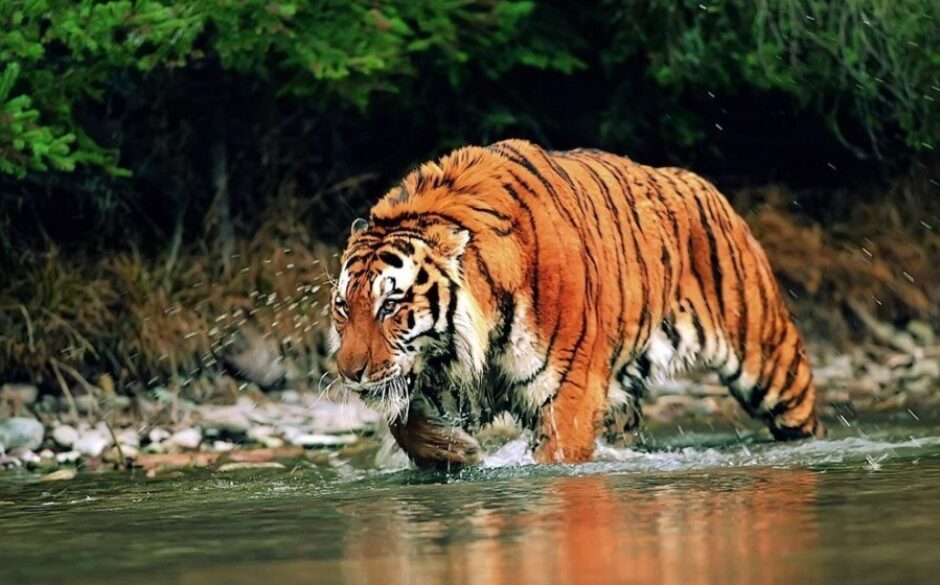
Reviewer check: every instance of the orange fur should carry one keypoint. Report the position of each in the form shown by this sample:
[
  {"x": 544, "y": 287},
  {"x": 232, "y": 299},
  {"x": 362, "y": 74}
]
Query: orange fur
[{"x": 586, "y": 273}]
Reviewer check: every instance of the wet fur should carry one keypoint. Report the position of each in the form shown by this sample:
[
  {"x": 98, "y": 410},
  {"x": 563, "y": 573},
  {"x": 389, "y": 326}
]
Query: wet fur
[{"x": 560, "y": 284}]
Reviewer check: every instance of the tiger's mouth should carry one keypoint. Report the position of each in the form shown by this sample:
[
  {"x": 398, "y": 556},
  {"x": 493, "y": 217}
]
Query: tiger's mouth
[
  {"x": 377, "y": 388},
  {"x": 390, "y": 396}
]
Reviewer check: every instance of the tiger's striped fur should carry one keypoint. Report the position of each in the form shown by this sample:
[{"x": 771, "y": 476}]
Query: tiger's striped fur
[{"x": 554, "y": 285}]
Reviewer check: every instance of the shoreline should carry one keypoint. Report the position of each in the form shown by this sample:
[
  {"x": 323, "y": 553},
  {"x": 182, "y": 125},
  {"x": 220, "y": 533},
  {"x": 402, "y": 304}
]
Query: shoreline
[{"x": 59, "y": 436}]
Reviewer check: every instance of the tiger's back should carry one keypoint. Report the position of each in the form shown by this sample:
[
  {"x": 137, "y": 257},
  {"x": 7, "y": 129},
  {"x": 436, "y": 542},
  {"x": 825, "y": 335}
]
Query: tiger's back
[{"x": 583, "y": 275}]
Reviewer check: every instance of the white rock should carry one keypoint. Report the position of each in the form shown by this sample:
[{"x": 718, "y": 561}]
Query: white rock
[
  {"x": 128, "y": 436},
  {"x": 46, "y": 454},
  {"x": 317, "y": 440},
  {"x": 290, "y": 396},
  {"x": 68, "y": 457},
  {"x": 129, "y": 451},
  {"x": 21, "y": 432},
  {"x": 158, "y": 435},
  {"x": 271, "y": 442},
  {"x": 222, "y": 446},
  {"x": 185, "y": 439},
  {"x": 26, "y": 456},
  {"x": 231, "y": 419},
  {"x": 20, "y": 393},
  {"x": 65, "y": 435},
  {"x": 92, "y": 444},
  {"x": 59, "y": 475}
]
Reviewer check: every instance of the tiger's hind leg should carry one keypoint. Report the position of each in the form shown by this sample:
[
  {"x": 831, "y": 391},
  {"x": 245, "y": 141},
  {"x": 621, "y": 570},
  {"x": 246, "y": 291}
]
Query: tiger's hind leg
[
  {"x": 774, "y": 383},
  {"x": 624, "y": 412}
]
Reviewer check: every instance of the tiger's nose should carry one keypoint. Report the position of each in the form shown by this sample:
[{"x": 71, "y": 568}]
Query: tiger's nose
[{"x": 354, "y": 373}]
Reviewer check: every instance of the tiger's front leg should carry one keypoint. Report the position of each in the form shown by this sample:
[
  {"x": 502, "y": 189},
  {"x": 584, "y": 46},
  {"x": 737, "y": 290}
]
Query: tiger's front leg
[
  {"x": 434, "y": 440},
  {"x": 571, "y": 419}
]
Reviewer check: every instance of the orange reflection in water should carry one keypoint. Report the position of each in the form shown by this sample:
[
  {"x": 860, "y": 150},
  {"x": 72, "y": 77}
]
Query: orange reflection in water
[{"x": 595, "y": 530}]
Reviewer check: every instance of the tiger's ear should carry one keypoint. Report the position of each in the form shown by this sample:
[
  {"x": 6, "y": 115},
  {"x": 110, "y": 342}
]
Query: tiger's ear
[
  {"x": 449, "y": 241},
  {"x": 358, "y": 225}
]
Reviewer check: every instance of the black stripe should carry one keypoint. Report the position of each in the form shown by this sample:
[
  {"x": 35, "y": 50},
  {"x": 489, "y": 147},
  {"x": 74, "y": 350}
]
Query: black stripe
[
  {"x": 393, "y": 260},
  {"x": 402, "y": 246},
  {"x": 534, "y": 281},
  {"x": 527, "y": 164},
  {"x": 434, "y": 302}
]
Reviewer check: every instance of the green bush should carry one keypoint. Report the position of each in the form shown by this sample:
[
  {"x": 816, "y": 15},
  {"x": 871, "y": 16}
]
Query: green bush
[
  {"x": 869, "y": 65},
  {"x": 60, "y": 53},
  {"x": 125, "y": 114}
]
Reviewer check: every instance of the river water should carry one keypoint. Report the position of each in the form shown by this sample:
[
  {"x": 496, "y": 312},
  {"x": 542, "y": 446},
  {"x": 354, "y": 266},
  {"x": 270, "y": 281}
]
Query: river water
[{"x": 860, "y": 507}]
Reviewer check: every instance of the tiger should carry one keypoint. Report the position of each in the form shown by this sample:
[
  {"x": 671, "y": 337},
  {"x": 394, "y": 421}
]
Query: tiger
[{"x": 554, "y": 285}]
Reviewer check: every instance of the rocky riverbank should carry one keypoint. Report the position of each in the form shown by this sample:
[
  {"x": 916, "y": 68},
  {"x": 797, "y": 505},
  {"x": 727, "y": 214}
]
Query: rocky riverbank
[{"x": 57, "y": 435}]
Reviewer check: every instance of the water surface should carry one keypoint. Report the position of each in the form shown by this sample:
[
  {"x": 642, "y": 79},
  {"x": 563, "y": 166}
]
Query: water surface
[{"x": 861, "y": 508}]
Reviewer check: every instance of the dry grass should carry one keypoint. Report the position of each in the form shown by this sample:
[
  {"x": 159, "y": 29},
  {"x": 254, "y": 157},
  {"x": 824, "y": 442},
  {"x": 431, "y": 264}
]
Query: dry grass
[
  {"x": 143, "y": 325},
  {"x": 128, "y": 316},
  {"x": 882, "y": 257}
]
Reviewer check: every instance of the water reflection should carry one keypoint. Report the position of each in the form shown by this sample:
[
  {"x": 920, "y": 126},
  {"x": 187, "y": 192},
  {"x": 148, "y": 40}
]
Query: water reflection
[{"x": 741, "y": 528}]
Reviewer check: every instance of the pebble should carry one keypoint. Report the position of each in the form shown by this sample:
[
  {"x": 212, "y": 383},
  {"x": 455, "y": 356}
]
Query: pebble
[
  {"x": 128, "y": 436},
  {"x": 223, "y": 446},
  {"x": 65, "y": 435},
  {"x": 231, "y": 419},
  {"x": 22, "y": 394},
  {"x": 271, "y": 442},
  {"x": 266, "y": 435},
  {"x": 158, "y": 435},
  {"x": 26, "y": 456},
  {"x": 9, "y": 461},
  {"x": 290, "y": 396},
  {"x": 67, "y": 457},
  {"x": 241, "y": 465},
  {"x": 60, "y": 475},
  {"x": 129, "y": 452},
  {"x": 92, "y": 444},
  {"x": 21, "y": 432},
  {"x": 317, "y": 440},
  {"x": 258, "y": 432},
  {"x": 185, "y": 439}
]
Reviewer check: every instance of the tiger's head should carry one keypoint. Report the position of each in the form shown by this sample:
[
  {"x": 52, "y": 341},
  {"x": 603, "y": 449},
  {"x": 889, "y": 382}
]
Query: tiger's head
[{"x": 399, "y": 309}]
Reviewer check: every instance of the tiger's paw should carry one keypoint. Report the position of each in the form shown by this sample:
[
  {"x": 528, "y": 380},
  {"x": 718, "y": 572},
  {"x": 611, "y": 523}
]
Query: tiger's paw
[{"x": 433, "y": 445}]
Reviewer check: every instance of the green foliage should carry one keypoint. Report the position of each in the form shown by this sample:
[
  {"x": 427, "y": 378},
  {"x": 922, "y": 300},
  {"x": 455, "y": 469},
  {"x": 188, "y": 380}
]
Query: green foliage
[
  {"x": 62, "y": 52},
  {"x": 114, "y": 106},
  {"x": 872, "y": 65}
]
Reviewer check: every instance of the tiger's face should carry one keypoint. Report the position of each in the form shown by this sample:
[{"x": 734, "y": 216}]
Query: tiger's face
[{"x": 395, "y": 307}]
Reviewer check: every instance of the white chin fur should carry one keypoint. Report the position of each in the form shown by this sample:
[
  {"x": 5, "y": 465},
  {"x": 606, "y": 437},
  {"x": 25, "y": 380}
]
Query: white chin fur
[{"x": 391, "y": 399}]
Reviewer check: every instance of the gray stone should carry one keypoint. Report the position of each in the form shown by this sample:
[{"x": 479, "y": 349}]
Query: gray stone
[
  {"x": 317, "y": 440},
  {"x": 60, "y": 475},
  {"x": 65, "y": 435},
  {"x": 68, "y": 457},
  {"x": 158, "y": 435},
  {"x": 185, "y": 439},
  {"x": 92, "y": 443},
  {"x": 20, "y": 394},
  {"x": 9, "y": 461},
  {"x": 128, "y": 436},
  {"x": 243, "y": 465},
  {"x": 231, "y": 419},
  {"x": 922, "y": 332},
  {"x": 26, "y": 456},
  {"x": 223, "y": 446},
  {"x": 21, "y": 432}
]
